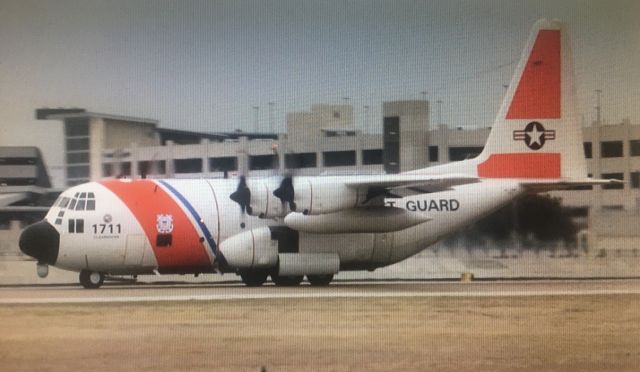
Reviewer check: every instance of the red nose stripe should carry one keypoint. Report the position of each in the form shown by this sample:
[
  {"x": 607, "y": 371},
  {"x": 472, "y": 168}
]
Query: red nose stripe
[
  {"x": 521, "y": 165},
  {"x": 538, "y": 92},
  {"x": 147, "y": 200}
]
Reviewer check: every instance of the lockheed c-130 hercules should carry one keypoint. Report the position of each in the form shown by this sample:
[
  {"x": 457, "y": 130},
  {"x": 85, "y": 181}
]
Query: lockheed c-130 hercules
[{"x": 291, "y": 227}]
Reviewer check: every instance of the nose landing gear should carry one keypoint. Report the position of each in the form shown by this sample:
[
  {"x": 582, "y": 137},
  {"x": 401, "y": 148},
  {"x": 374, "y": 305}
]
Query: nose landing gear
[
  {"x": 91, "y": 279},
  {"x": 42, "y": 269}
]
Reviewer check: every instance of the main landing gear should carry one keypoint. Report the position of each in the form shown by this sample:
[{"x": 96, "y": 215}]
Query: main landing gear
[
  {"x": 256, "y": 278},
  {"x": 91, "y": 279},
  {"x": 320, "y": 280},
  {"x": 287, "y": 281}
]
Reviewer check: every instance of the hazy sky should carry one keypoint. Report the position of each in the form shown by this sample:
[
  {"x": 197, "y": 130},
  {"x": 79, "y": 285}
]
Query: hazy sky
[{"x": 202, "y": 65}]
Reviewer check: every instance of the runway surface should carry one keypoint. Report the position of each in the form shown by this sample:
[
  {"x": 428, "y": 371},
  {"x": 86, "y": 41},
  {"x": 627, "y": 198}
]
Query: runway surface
[
  {"x": 385, "y": 289},
  {"x": 551, "y": 325}
]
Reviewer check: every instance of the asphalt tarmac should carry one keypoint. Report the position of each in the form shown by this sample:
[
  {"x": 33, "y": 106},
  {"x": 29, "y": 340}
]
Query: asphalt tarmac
[
  {"x": 144, "y": 292},
  {"x": 551, "y": 325}
]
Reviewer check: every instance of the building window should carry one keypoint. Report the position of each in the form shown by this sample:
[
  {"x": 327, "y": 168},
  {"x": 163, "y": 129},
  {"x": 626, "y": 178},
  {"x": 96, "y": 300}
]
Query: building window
[
  {"x": 306, "y": 160},
  {"x": 76, "y": 127},
  {"x": 635, "y": 180},
  {"x": 588, "y": 151},
  {"x": 615, "y": 176},
  {"x": 77, "y": 158},
  {"x": 125, "y": 169},
  {"x": 223, "y": 164},
  {"x": 107, "y": 170},
  {"x": 433, "y": 154},
  {"x": 188, "y": 165},
  {"x": 371, "y": 157},
  {"x": 339, "y": 158},
  {"x": 78, "y": 171},
  {"x": 77, "y": 144},
  {"x": 152, "y": 167},
  {"x": 634, "y": 147},
  {"x": 462, "y": 153},
  {"x": 263, "y": 162},
  {"x": 77, "y": 181},
  {"x": 611, "y": 149}
]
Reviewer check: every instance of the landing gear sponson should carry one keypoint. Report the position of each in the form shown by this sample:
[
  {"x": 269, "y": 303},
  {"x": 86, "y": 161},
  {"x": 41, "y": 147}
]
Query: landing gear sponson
[{"x": 256, "y": 278}]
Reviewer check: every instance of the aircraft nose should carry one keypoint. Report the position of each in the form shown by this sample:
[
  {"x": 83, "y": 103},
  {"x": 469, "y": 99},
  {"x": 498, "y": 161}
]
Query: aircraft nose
[{"x": 41, "y": 241}]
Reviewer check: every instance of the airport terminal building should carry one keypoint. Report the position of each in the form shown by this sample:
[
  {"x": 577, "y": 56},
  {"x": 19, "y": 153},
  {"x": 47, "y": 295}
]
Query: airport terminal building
[{"x": 324, "y": 140}]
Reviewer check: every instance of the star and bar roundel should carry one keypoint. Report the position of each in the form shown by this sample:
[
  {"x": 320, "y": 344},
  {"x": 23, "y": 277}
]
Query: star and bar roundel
[{"x": 534, "y": 135}]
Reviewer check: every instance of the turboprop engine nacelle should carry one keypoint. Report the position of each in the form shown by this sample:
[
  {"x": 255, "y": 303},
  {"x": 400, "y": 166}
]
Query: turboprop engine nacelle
[
  {"x": 263, "y": 202},
  {"x": 318, "y": 195},
  {"x": 356, "y": 220},
  {"x": 309, "y": 196},
  {"x": 251, "y": 249}
]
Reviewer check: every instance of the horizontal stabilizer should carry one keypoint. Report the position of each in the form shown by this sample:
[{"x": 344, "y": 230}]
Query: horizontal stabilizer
[{"x": 563, "y": 184}]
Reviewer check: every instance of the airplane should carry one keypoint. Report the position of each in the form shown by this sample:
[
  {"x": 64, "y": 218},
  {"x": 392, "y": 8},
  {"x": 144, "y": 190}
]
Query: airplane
[{"x": 290, "y": 227}]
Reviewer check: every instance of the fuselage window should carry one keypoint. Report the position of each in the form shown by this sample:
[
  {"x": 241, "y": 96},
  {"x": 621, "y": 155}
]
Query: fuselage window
[
  {"x": 80, "y": 226},
  {"x": 76, "y": 226},
  {"x": 164, "y": 240}
]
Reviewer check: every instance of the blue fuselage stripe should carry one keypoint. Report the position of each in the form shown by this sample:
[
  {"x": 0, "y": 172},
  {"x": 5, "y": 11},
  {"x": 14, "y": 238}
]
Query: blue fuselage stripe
[{"x": 199, "y": 221}]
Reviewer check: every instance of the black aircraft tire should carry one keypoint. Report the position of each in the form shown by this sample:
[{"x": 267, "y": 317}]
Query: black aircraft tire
[
  {"x": 287, "y": 281},
  {"x": 91, "y": 279},
  {"x": 254, "y": 278},
  {"x": 320, "y": 280}
]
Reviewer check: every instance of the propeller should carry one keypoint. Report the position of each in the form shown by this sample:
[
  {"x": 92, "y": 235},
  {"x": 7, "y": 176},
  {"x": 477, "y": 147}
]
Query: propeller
[
  {"x": 242, "y": 196},
  {"x": 286, "y": 193}
]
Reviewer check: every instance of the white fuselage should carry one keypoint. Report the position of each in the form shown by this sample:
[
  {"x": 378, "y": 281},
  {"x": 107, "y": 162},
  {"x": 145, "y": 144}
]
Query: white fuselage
[{"x": 178, "y": 226}]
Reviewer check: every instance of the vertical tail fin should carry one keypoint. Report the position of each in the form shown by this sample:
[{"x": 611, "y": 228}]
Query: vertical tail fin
[{"x": 536, "y": 134}]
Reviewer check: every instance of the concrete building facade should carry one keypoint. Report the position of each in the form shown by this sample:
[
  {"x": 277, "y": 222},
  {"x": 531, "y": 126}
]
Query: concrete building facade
[{"x": 324, "y": 140}]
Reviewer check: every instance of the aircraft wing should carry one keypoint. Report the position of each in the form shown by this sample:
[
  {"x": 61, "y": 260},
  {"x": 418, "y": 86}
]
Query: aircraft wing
[{"x": 426, "y": 182}]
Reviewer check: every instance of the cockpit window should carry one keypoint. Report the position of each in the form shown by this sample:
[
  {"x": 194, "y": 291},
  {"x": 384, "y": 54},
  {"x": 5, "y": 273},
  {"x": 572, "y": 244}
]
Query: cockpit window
[
  {"x": 80, "y": 205},
  {"x": 85, "y": 201},
  {"x": 64, "y": 202}
]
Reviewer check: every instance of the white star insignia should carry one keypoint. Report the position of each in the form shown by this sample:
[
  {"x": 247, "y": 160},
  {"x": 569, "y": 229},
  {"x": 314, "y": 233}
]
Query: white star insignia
[{"x": 535, "y": 135}]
